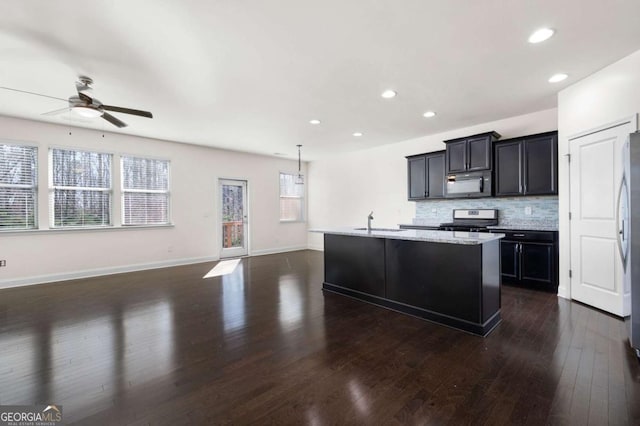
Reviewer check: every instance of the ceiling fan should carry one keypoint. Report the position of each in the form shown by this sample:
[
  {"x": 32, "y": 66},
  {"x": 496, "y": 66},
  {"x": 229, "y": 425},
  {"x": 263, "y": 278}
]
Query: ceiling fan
[{"x": 86, "y": 105}]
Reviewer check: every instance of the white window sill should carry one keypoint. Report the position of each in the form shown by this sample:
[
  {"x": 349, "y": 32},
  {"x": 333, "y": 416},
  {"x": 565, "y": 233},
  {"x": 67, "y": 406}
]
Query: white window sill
[{"x": 82, "y": 229}]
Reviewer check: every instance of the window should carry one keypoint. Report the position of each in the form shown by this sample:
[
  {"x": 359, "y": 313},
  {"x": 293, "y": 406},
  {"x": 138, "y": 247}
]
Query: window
[
  {"x": 18, "y": 189},
  {"x": 291, "y": 198},
  {"x": 145, "y": 191},
  {"x": 81, "y": 187}
]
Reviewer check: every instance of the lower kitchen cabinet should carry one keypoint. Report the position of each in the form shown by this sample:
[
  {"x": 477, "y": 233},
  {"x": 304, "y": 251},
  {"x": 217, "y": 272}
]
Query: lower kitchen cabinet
[
  {"x": 529, "y": 259},
  {"x": 537, "y": 263},
  {"x": 510, "y": 260}
]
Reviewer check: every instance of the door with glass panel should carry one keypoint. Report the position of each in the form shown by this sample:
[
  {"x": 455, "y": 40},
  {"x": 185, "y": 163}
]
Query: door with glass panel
[{"x": 233, "y": 214}]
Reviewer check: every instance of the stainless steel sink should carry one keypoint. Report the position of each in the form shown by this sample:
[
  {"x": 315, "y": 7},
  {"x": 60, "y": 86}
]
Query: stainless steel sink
[{"x": 379, "y": 229}]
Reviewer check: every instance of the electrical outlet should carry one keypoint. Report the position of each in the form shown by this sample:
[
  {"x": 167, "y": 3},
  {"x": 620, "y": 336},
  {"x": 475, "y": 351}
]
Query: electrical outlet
[
  {"x": 3, "y": 263},
  {"x": 527, "y": 210}
]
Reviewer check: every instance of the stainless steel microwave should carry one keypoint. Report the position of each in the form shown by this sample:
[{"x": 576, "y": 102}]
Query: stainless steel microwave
[{"x": 469, "y": 185}]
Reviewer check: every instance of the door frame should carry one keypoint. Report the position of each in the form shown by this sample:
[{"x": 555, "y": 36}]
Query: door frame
[
  {"x": 219, "y": 243},
  {"x": 633, "y": 121}
]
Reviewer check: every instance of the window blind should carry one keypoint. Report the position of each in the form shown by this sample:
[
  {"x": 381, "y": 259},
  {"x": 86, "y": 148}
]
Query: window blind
[
  {"x": 81, "y": 187},
  {"x": 18, "y": 186},
  {"x": 145, "y": 191},
  {"x": 291, "y": 198}
]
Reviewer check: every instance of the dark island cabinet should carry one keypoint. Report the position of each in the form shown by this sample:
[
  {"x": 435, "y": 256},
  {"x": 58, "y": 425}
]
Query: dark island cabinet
[
  {"x": 471, "y": 153},
  {"x": 527, "y": 166},
  {"x": 457, "y": 285},
  {"x": 529, "y": 259},
  {"x": 426, "y": 176}
]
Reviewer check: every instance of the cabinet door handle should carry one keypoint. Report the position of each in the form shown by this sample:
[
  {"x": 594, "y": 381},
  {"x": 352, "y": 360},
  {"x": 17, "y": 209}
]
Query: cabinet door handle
[{"x": 518, "y": 235}]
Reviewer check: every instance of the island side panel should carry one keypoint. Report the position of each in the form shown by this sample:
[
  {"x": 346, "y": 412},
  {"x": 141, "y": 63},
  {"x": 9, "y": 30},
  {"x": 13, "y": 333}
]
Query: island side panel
[
  {"x": 356, "y": 263},
  {"x": 439, "y": 277},
  {"x": 490, "y": 279}
]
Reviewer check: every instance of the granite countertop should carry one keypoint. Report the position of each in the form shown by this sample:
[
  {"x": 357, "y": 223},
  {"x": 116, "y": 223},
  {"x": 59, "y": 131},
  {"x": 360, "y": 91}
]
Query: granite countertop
[
  {"x": 432, "y": 224},
  {"x": 449, "y": 237}
]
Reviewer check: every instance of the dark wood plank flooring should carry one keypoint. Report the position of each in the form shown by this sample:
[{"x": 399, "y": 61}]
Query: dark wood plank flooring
[{"x": 265, "y": 345}]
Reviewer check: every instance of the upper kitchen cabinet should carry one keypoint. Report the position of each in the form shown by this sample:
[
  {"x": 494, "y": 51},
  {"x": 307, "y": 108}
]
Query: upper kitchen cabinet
[
  {"x": 527, "y": 165},
  {"x": 426, "y": 176},
  {"x": 471, "y": 153}
]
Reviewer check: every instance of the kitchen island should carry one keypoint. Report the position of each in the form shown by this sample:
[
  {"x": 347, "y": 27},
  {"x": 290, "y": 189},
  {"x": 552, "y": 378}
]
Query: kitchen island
[{"x": 452, "y": 278}]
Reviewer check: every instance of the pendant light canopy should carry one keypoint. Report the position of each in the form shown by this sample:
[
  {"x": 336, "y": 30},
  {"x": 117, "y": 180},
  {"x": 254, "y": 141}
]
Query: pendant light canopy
[{"x": 299, "y": 178}]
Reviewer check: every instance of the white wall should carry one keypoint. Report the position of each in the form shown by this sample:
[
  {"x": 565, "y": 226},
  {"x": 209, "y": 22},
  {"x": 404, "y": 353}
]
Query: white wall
[
  {"x": 343, "y": 190},
  {"x": 41, "y": 256},
  {"x": 611, "y": 94}
]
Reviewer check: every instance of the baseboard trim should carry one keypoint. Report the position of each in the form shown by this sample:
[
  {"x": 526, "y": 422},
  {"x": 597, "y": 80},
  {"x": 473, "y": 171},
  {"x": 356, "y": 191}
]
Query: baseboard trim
[
  {"x": 316, "y": 248},
  {"x": 562, "y": 292},
  {"x": 277, "y": 250},
  {"x": 88, "y": 273}
]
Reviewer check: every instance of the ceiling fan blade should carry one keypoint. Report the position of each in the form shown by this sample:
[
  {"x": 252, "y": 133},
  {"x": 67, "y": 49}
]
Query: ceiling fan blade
[
  {"x": 32, "y": 93},
  {"x": 127, "y": 111},
  {"x": 57, "y": 112},
  {"x": 111, "y": 119}
]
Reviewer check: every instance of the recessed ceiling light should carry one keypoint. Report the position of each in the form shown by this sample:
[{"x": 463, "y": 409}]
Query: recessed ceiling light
[
  {"x": 541, "y": 35},
  {"x": 429, "y": 114},
  {"x": 388, "y": 94},
  {"x": 314, "y": 121},
  {"x": 557, "y": 78},
  {"x": 358, "y": 134}
]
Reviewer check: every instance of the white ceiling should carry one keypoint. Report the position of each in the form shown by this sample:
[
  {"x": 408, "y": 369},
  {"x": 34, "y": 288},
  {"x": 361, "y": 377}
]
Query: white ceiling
[{"x": 249, "y": 75}]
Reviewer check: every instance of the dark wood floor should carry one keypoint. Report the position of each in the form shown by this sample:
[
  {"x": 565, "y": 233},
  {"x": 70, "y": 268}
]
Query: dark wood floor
[{"x": 266, "y": 346}]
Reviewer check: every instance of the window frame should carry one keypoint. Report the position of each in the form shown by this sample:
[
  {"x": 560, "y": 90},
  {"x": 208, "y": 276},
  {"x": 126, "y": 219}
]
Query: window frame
[
  {"x": 124, "y": 191},
  {"x": 36, "y": 189},
  {"x": 52, "y": 188},
  {"x": 302, "y": 198}
]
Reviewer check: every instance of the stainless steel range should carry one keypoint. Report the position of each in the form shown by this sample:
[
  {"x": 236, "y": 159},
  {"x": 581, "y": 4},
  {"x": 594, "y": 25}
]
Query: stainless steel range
[{"x": 471, "y": 220}]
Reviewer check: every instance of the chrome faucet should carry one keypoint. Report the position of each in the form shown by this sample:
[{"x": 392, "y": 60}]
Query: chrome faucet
[{"x": 369, "y": 219}]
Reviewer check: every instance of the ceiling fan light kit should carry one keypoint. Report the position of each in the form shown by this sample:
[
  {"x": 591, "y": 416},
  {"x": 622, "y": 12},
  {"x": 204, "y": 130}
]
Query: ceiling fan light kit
[{"x": 86, "y": 111}]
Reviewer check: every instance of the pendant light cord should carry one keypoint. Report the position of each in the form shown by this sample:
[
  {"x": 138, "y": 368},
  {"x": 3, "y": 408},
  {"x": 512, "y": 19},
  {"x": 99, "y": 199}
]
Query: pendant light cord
[{"x": 299, "y": 178}]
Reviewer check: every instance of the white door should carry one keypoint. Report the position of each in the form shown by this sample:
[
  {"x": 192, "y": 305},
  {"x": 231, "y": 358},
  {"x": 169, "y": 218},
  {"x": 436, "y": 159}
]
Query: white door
[
  {"x": 233, "y": 217},
  {"x": 596, "y": 170}
]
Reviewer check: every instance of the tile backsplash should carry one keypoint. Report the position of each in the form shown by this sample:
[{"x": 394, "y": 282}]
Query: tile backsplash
[{"x": 512, "y": 210}]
